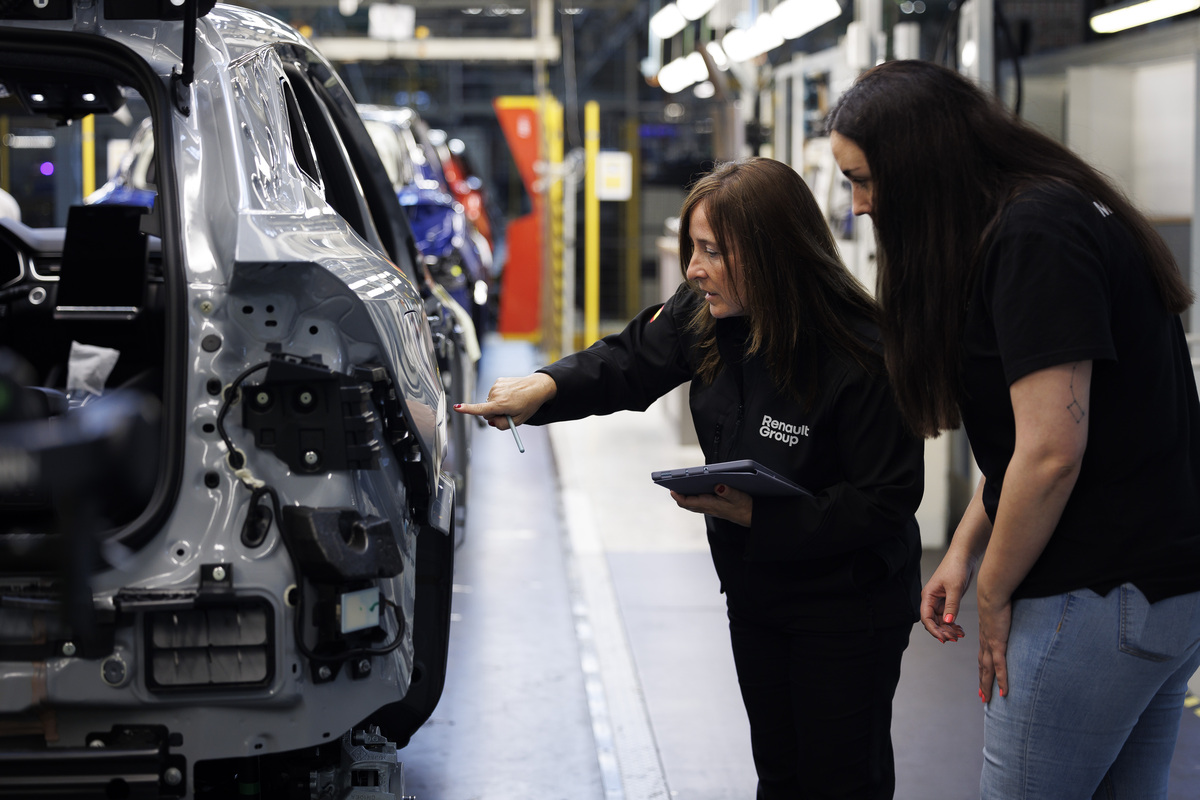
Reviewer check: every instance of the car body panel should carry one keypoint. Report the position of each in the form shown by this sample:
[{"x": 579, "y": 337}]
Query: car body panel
[{"x": 258, "y": 269}]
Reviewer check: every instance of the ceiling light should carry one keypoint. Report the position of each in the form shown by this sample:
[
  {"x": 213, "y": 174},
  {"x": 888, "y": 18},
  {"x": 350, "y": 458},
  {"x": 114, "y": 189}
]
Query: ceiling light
[
  {"x": 667, "y": 22},
  {"x": 794, "y": 18},
  {"x": 970, "y": 51},
  {"x": 718, "y": 55},
  {"x": 765, "y": 33},
  {"x": 743, "y": 44},
  {"x": 674, "y": 77},
  {"x": 695, "y": 9},
  {"x": 697, "y": 69},
  {"x": 1138, "y": 12},
  {"x": 704, "y": 90},
  {"x": 737, "y": 45}
]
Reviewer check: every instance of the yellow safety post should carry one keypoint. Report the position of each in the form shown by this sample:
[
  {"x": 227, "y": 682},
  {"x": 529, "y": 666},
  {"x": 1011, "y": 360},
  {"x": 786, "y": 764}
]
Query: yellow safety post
[
  {"x": 591, "y": 225},
  {"x": 552, "y": 122},
  {"x": 88, "y": 129}
]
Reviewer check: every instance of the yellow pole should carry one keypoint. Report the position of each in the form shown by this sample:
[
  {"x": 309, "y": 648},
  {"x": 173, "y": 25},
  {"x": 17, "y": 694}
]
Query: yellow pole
[
  {"x": 591, "y": 225},
  {"x": 552, "y": 292},
  {"x": 89, "y": 154}
]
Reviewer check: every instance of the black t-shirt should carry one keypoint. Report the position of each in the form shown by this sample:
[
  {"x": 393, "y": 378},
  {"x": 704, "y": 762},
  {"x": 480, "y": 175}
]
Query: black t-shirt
[{"x": 1064, "y": 281}]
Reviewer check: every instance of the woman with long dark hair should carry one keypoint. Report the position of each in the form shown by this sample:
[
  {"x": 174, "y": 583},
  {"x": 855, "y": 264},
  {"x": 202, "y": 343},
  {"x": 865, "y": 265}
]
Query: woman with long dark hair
[
  {"x": 1025, "y": 297},
  {"x": 781, "y": 346}
]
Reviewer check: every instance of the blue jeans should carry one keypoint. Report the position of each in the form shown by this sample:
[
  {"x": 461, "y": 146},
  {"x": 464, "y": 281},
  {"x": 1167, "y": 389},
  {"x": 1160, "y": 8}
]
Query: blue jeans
[{"x": 1095, "y": 696}]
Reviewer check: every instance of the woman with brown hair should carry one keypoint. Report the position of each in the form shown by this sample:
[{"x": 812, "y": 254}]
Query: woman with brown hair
[
  {"x": 1026, "y": 298},
  {"x": 780, "y": 343}
]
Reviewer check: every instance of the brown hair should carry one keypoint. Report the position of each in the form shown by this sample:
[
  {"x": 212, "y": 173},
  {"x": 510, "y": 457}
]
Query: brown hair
[
  {"x": 946, "y": 160},
  {"x": 797, "y": 294}
]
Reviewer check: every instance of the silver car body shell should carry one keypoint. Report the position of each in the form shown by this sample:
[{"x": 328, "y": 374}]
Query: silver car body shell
[{"x": 256, "y": 234}]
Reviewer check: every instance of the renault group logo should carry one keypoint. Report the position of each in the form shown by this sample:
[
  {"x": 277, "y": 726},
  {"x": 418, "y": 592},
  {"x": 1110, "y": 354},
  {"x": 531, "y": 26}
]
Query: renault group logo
[{"x": 785, "y": 432}]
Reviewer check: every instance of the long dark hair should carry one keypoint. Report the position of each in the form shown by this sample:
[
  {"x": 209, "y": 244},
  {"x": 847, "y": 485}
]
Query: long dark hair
[
  {"x": 945, "y": 160},
  {"x": 797, "y": 294}
]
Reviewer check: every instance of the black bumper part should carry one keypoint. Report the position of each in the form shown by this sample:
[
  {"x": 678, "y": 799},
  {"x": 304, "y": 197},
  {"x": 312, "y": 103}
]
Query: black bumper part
[{"x": 128, "y": 762}]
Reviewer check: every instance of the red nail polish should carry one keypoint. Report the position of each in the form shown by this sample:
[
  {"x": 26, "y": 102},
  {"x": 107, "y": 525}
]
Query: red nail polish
[
  {"x": 949, "y": 618},
  {"x": 982, "y": 699},
  {"x": 458, "y": 405}
]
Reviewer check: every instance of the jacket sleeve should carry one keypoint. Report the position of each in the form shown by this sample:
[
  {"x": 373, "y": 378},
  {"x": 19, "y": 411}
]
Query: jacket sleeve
[
  {"x": 624, "y": 371},
  {"x": 871, "y": 507}
]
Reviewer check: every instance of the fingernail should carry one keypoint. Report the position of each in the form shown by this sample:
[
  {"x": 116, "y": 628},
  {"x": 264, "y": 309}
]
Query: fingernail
[
  {"x": 982, "y": 699},
  {"x": 720, "y": 488},
  {"x": 949, "y": 618},
  {"x": 1002, "y": 693},
  {"x": 458, "y": 405}
]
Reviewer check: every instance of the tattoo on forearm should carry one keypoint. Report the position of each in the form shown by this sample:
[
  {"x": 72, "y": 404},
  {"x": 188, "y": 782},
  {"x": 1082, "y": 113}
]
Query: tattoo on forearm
[{"x": 1074, "y": 407}]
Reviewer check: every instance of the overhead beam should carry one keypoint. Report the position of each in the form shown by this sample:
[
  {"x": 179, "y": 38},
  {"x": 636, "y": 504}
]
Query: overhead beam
[{"x": 476, "y": 48}]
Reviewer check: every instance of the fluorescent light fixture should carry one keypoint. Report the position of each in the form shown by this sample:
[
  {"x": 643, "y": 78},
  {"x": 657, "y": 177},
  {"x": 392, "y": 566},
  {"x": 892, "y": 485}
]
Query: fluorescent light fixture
[
  {"x": 695, "y": 9},
  {"x": 738, "y": 45},
  {"x": 667, "y": 22},
  {"x": 765, "y": 33},
  {"x": 697, "y": 70},
  {"x": 674, "y": 77},
  {"x": 1138, "y": 12},
  {"x": 743, "y": 44},
  {"x": 718, "y": 55},
  {"x": 682, "y": 73},
  {"x": 704, "y": 90},
  {"x": 794, "y": 18},
  {"x": 970, "y": 52}
]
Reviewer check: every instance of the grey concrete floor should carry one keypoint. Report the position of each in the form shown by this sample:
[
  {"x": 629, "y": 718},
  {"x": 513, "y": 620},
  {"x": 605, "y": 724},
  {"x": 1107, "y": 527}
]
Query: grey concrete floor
[{"x": 589, "y": 655}]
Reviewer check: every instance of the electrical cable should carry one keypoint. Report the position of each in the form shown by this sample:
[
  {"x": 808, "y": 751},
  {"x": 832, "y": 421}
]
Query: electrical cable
[
  {"x": 236, "y": 458},
  {"x": 259, "y": 489},
  {"x": 298, "y": 618}
]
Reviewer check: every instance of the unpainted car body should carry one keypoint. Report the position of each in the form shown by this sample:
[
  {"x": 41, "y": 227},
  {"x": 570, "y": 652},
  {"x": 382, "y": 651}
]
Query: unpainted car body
[{"x": 231, "y": 558}]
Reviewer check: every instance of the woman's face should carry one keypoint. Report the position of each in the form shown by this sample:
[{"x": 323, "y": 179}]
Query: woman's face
[
  {"x": 712, "y": 271},
  {"x": 853, "y": 163}
]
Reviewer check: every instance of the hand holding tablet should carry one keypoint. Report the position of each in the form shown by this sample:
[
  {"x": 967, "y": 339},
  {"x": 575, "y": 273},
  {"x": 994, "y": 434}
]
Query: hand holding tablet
[{"x": 744, "y": 475}]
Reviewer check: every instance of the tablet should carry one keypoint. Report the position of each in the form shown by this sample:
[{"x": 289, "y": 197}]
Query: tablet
[{"x": 745, "y": 475}]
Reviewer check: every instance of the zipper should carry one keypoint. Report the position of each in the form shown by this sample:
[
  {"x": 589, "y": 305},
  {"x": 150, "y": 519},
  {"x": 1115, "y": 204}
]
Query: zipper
[{"x": 737, "y": 426}]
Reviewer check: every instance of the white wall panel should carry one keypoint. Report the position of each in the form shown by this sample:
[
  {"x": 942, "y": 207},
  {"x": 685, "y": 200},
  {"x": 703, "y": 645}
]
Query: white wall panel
[{"x": 1164, "y": 130}]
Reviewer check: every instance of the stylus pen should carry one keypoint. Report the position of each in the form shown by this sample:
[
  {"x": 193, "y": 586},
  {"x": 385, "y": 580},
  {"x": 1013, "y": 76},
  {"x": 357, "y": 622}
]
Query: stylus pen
[{"x": 512, "y": 426}]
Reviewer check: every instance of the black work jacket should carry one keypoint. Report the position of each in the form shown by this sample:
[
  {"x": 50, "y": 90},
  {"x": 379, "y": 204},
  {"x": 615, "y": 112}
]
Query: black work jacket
[{"x": 847, "y": 558}]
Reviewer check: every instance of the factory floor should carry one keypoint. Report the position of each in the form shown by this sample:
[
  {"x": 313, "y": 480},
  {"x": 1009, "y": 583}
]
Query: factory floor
[{"x": 589, "y": 652}]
